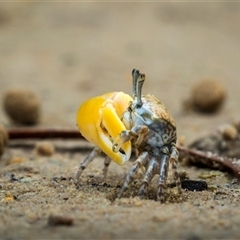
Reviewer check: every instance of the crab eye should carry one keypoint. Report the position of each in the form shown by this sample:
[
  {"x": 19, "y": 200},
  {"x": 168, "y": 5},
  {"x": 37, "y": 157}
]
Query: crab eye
[{"x": 135, "y": 71}]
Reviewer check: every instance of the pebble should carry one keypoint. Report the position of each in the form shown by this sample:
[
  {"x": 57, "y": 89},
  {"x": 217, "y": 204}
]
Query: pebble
[
  {"x": 8, "y": 197},
  {"x": 15, "y": 160},
  {"x": 229, "y": 132},
  {"x": 45, "y": 148},
  {"x": 208, "y": 95},
  {"x": 22, "y": 106}
]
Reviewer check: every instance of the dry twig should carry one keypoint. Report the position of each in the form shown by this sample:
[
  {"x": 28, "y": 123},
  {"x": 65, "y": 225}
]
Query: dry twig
[
  {"x": 206, "y": 158},
  {"x": 209, "y": 158},
  {"x": 43, "y": 133}
]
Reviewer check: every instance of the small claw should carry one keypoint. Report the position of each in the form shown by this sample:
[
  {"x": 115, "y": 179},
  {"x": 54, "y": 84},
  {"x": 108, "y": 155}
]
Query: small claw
[
  {"x": 117, "y": 144},
  {"x": 122, "y": 138},
  {"x": 116, "y": 147}
]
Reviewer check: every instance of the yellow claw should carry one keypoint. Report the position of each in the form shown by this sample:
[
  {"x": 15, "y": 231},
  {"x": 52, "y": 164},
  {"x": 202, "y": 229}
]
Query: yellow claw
[{"x": 99, "y": 121}]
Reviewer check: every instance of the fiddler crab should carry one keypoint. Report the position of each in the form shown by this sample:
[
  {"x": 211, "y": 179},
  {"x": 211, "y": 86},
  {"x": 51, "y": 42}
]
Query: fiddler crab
[{"x": 116, "y": 123}]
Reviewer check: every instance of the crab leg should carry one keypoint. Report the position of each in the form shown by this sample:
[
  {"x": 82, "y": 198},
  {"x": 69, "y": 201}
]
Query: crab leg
[
  {"x": 152, "y": 169},
  {"x": 107, "y": 162},
  {"x": 163, "y": 172},
  {"x": 95, "y": 152},
  {"x": 174, "y": 163},
  {"x": 122, "y": 138},
  {"x": 141, "y": 161}
]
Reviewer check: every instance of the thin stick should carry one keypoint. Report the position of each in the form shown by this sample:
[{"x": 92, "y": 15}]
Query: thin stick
[
  {"x": 232, "y": 164},
  {"x": 43, "y": 133}
]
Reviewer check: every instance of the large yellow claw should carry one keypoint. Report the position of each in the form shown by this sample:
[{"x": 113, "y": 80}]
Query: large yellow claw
[{"x": 99, "y": 121}]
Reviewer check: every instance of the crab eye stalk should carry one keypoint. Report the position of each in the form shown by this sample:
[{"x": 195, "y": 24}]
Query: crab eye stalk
[
  {"x": 135, "y": 75},
  {"x": 140, "y": 82}
]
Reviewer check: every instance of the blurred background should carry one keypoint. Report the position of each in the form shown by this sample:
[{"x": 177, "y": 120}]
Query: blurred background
[{"x": 69, "y": 52}]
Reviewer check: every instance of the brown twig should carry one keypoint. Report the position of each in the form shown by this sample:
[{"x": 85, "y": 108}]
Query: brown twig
[
  {"x": 43, "y": 133},
  {"x": 232, "y": 164},
  {"x": 50, "y": 133}
]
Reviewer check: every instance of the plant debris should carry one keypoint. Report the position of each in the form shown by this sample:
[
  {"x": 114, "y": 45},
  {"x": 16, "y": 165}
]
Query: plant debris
[{"x": 220, "y": 150}]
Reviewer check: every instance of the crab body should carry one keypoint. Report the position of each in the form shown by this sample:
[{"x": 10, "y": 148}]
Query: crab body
[
  {"x": 153, "y": 133},
  {"x": 119, "y": 122},
  {"x": 155, "y": 116}
]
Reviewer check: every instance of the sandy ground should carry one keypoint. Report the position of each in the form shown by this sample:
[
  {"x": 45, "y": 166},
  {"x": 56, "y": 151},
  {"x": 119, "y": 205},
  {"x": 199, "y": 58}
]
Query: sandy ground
[{"x": 68, "y": 52}]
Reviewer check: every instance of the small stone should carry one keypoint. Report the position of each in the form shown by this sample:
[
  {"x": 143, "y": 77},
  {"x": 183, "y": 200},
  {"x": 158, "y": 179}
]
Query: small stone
[
  {"x": 22, "y": 106},
  {"x": 229, "y": 132},
  {"x": 3, "y": 139},
  {"x": 32, "y": 217},
  {"x": 212, "y": 188},
  {"x": 25, "y": 179},
  {"x": 8, "y": 197},
  {"x": 159, "y": 219},
  {"x": 15, "y": 160},
  {"x": 208, "y": 95},
  {"x": 45, "y": 148}
]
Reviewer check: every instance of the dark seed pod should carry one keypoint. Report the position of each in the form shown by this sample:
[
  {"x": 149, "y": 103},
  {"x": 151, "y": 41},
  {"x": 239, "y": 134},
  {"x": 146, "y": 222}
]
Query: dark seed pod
[{"x": 194, "y": 185}]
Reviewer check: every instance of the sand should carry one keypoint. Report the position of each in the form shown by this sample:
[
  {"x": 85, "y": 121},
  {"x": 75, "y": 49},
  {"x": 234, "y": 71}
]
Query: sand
[{"x": 69, "y": 52}]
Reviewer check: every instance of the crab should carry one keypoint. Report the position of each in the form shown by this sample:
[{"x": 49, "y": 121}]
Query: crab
[{"x": 117, "y": 123}]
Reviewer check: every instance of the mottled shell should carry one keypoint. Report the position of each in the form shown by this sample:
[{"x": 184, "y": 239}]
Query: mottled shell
[
  {"x": 154, "y": 115},
  {"x": 158, "y": 109}
]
